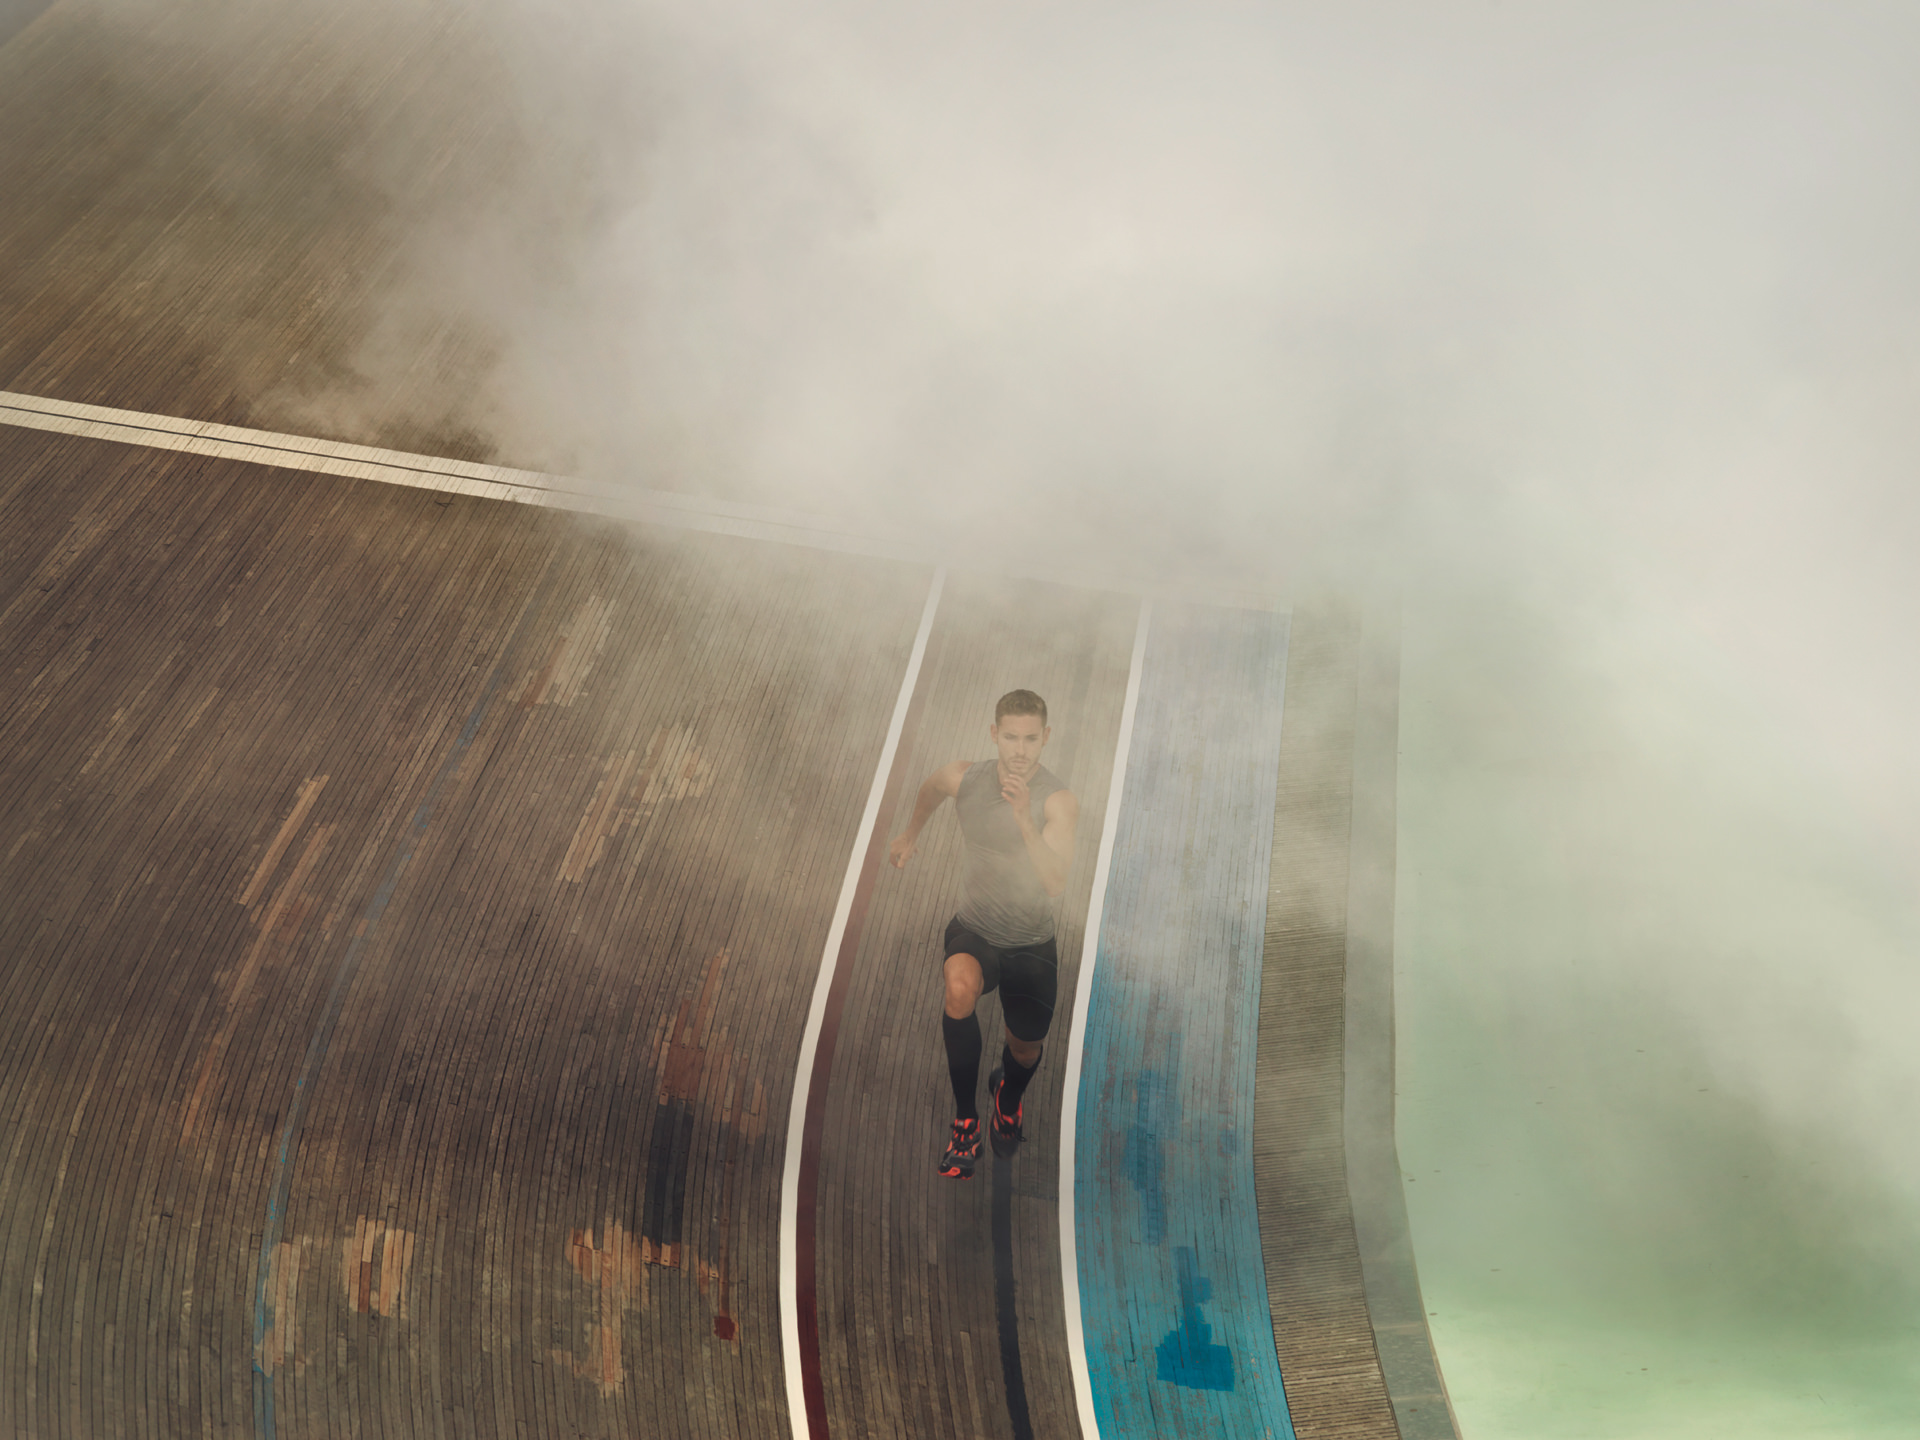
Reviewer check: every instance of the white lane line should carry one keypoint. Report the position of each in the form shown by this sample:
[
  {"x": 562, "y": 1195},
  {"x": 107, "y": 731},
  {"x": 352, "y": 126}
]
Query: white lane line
[
  {"x": 561, "y": 492},
  {"x": 430, "y": 472},
  {"x": 1077, "y": 1038},
  {"x": 810, "y": 1037}
]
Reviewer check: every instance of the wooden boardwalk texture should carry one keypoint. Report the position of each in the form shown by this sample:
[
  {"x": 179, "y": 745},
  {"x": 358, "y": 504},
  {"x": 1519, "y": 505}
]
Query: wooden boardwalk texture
[
  {"x": 410, "y": 903},
  {"x": 572, "y": 805},
  {"x": 1172, "y": 1283},
  {"x": 914, "y": 1324}
]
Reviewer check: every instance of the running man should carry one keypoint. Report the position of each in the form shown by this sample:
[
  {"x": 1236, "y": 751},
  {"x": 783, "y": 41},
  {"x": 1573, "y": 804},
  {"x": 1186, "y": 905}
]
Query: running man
[{"x": 1016, "y": 820}]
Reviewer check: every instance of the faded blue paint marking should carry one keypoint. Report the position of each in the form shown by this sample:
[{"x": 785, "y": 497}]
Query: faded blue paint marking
[
  {"x": 1187, "y": 1356},
  {"x": 303, "y": 1085},
  {"x": 1173, "y": 1289},
  {"x": 1156, "y": 1112}
]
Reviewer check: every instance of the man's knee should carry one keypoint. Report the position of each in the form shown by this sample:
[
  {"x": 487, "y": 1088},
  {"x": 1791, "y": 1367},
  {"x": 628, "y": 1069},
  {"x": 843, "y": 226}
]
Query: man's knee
[{"x": 963, "y": 985}]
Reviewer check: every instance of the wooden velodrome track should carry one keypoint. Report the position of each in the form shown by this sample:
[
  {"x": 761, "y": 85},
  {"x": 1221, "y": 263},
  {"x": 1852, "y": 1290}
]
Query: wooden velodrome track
[{"x": 412, "y": 904}]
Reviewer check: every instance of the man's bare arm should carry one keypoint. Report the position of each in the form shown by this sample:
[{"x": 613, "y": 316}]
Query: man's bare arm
[
  {"x": 935, "y": 790},
  {"x": 1051, "y": 846}
]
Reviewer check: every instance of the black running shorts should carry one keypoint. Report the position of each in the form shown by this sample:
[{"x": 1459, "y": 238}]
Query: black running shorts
[{"x": 1027, "y": 977}]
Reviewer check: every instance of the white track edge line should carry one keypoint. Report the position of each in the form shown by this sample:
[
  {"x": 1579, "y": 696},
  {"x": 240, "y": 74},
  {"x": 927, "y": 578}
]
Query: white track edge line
[
  {"x": 816, "y": 1014},
  {"x": 1076, "y": 1038},
  {"x": 426, "y": 472},
  {"x": 673, "y": 508}
]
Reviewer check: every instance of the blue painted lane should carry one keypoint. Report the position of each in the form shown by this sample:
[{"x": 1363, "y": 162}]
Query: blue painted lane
[{"x": 1172, "y": 1289}]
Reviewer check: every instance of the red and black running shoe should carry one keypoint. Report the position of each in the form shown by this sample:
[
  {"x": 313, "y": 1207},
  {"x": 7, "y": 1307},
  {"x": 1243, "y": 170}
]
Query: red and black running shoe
[
  {"x": 963, "y": 1151},
  {"x": 1005, "y": 1129}
]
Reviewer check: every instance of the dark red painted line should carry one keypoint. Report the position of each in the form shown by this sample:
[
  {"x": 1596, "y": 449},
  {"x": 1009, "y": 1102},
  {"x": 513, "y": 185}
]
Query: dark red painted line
[{"x": 805, "y": 1245}]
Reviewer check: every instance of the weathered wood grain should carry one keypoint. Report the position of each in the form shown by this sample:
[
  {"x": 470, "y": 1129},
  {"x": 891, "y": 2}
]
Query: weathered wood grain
[
  {"x": 213, "y": 208},
  {"x": 1173, "y": 1292},
  {"x": 1321, "y": 1325},
  {"x": 467, "y": 1245},
  {"x": 910, "y": 1330},
  {"x": 536, "y": 1191}
]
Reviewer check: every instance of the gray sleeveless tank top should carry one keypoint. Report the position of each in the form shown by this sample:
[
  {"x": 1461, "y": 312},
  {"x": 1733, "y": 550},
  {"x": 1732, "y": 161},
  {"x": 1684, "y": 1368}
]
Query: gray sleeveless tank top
[{"x": 1004, "y": 902}]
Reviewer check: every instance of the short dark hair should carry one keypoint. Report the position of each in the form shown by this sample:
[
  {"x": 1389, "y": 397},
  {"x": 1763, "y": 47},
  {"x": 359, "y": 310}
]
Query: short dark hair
[{"x": 1020, "y": 702}]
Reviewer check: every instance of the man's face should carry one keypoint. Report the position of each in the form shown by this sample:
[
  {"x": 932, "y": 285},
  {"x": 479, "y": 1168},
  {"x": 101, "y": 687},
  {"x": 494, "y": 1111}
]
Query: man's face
[{"x": 1020, "y": 739}]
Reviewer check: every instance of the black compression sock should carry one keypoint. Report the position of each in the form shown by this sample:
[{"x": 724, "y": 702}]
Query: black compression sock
[
  {"x": 1014, "y": 1079},
  {"x": 963, "y": 1062}
]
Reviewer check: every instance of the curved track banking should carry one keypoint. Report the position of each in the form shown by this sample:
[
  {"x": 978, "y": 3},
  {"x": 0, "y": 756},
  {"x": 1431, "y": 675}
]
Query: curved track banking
[{"x": 414, "y": 903}]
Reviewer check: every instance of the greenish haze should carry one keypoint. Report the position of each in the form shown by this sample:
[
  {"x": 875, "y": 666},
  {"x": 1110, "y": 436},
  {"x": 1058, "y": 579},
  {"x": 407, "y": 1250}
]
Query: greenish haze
[
  {"x": 1513, "y": 1372},
  {"x": 1654, "y": 1100}
]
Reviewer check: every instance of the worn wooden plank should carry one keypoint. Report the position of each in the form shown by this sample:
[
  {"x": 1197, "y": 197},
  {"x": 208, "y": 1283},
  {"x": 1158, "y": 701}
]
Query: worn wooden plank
[
  {"x": 1172, "y": 1293},
  {"x": 1322, "y": 1331},
  {"x": 1408, "y": 1363},
  {"x": 184, "y": 882},
  {"x": 208, "y": 203},
  {"x": 909, "y": 1323},
  {"x": 188, "y": 644}
]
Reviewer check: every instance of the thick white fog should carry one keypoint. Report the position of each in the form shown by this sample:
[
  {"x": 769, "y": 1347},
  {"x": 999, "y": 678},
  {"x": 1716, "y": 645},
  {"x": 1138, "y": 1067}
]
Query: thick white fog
[{"x": 1588, "y": 331}]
